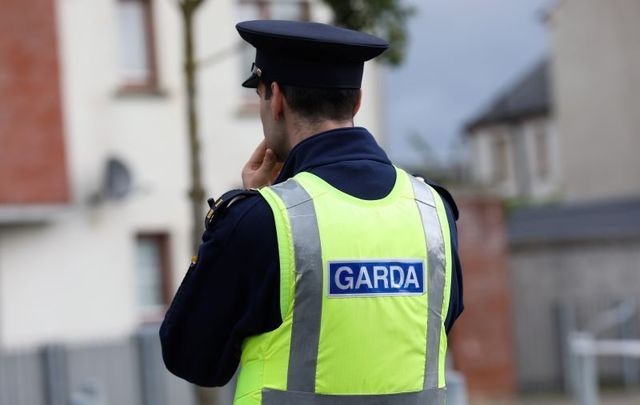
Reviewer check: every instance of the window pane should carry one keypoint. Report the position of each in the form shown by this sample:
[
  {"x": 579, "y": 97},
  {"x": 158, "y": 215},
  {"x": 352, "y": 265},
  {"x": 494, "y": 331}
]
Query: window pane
[
  {"x": 501, "y": 158},
  {"x": 542, "y": 152},
  {"x": 134, "y": 43},
  {"x": 286, "y": 10},
  {"x": 149, "y": 273},
  {"x": 248, "y": 10}
]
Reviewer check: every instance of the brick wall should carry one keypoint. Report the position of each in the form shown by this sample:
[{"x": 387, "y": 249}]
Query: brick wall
[
  {"x": 481, "y": 340},
  {"x": 32, "y": 157}
]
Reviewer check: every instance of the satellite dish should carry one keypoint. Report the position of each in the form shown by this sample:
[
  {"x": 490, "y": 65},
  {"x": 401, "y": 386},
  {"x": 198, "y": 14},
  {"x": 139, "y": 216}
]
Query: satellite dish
[{"x": 117, "y": 181}]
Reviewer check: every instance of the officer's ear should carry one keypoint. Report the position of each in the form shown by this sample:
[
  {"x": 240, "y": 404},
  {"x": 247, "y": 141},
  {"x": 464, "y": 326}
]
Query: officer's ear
[
  {"x": 277, "y": 101},
  {"x": 358, "y": 103}
]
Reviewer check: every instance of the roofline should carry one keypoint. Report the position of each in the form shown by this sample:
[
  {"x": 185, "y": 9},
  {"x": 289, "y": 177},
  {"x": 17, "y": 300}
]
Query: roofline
[
  {"x": 513, "y": 119},
  {"x": 505, "y": 91}
]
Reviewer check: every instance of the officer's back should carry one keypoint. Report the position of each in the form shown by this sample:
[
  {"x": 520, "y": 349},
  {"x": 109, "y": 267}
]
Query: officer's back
[{"x": 336, "y": 280}]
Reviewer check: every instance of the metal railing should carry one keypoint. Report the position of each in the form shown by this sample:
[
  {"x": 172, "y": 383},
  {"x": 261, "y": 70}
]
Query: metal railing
[
  {"x": 585, "y": 348},
  {"x": 128, "y": 372}
]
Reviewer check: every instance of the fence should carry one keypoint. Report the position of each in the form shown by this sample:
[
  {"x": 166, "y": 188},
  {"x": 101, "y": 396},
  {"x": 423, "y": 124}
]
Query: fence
[
  {"x": 128, "y": 372},
  {"x": 587, "y": 348},
  {"x": 587, "y": 315}
]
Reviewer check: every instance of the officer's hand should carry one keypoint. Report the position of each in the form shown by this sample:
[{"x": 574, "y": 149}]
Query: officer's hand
[{"x": 262, "y": 168}]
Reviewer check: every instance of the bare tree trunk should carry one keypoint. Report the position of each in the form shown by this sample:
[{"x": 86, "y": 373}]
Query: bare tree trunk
[
  {"x": 196, "y": 192},
  {"x": 204, "y": 396}
]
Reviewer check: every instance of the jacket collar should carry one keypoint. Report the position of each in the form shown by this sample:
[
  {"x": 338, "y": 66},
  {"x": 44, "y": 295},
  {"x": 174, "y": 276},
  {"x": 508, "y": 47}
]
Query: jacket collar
[{"x": 336, "y": 145}]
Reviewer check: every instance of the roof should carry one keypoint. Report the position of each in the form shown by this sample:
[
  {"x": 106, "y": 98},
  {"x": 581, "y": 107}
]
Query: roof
[
  {"x": 617, "y": 219},
  {"x": 529, "y": 96}
]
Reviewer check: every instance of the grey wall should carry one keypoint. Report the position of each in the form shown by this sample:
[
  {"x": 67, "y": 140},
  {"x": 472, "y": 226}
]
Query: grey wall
[
  {"x": 596, "y": 70},
  {"x": 584, "y": 278}
]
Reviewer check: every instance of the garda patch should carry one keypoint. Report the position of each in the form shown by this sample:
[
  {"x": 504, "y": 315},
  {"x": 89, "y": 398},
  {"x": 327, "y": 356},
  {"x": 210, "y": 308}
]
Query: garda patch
[{"x": 376, "y": 278}]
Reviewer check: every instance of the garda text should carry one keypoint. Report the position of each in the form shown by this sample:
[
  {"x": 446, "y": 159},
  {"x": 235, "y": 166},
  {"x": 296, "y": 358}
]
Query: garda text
[{"x": 376, "y": 278}]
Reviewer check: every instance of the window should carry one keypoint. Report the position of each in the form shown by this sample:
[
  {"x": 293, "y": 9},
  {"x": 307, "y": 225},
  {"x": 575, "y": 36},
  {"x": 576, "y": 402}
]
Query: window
[
  {"x": 137, "y": 54},
  {"x": 542, "y": 152},
  {"x": 275, "y": 10},
  {"x": 268, "y": 10},
  {"x": 152, "y": 274},
  {"x": 501, "y": 158}
]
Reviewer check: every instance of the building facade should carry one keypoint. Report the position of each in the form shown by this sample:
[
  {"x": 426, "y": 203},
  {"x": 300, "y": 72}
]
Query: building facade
[
  {"x": 94, "y": 211},
  {"x": 514, "y": 142},
  {"x": 573, "y": 237},
  {"x": 596, "y": 68},
  {"x": 568, "y": 130}
]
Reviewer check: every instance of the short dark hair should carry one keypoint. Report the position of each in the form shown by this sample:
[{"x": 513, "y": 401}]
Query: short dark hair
[{"x": 316, "y": 104}]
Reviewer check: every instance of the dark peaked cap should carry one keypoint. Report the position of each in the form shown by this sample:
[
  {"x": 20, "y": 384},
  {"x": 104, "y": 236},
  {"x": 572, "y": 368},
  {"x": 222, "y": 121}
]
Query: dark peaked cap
[{"x": 308, "y": 54}]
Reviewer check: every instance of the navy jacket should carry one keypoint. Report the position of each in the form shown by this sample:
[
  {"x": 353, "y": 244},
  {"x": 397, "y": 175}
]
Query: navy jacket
[{"x": 232, "y": 291}]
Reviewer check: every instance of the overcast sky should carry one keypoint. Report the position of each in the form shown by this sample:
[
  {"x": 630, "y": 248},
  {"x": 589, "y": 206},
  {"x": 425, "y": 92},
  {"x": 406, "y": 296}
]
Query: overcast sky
[{"x": 461, "y": 54}]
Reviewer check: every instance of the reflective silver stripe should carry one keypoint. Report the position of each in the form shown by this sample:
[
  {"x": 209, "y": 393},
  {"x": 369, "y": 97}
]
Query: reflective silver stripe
[
  {"x": 427, "y": 397},
  {"x": 307, "y": 307},
  {"x": 436, "y": 257}
]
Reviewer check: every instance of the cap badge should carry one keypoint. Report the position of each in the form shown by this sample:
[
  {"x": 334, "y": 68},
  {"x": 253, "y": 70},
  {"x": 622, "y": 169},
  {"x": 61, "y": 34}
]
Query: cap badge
[{"x": 256, "y": 70}]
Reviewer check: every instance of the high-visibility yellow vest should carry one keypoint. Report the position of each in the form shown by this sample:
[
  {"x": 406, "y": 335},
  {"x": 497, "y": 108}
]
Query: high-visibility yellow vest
[{"x": 364, "y": 290}]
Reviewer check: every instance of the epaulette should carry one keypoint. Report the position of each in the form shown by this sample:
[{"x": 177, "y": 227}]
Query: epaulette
[
  {"x": 444, "y": 193},
  {"x": 219, "y": 206}
]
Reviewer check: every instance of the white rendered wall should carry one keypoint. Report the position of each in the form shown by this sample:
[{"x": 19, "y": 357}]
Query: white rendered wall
[
  {"x": 230, "y": 122},
  {"x": 73, "y": 278},
  {"x": 483, "y": 160},
  {"x": 522, "y": 178}
]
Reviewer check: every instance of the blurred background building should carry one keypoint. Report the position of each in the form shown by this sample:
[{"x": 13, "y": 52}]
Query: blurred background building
[
  {"x": 94, "y": 212},
  {"x": 514, "y": 145},
  {"x": 559, "y": 146}
]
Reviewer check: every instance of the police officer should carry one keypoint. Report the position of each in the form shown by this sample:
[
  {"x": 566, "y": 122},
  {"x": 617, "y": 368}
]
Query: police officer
[{"x": 333, "y": 277}]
